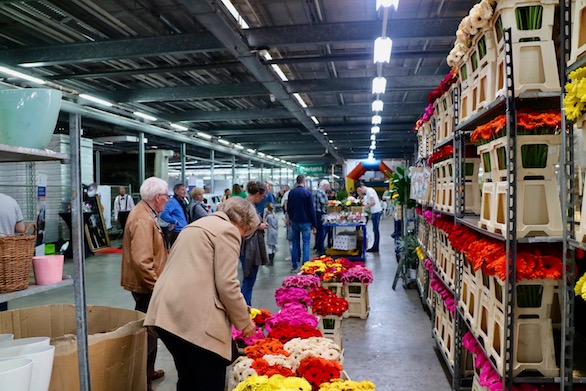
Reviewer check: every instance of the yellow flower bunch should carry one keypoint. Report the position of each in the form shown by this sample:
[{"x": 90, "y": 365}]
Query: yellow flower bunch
[
  {"x": 580, "y": 288},
  {"x": 420, "y": 253},
  {"x": 575, "y": 99},
  {"x": 254, "y": 312},
  {"x": 316, "y": 266},
  {"x": 274, "y": 383},
  {"x": 347, "y": 385}
]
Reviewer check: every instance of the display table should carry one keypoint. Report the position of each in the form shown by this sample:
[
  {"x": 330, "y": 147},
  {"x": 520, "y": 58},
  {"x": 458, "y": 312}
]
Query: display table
[{"x": 330, "y": 229}]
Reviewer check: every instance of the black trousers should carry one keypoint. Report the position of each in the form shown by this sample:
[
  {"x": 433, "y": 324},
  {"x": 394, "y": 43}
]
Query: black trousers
[
  {"x": 142, "y": 304},
  {"x": 197, "y": 369}
]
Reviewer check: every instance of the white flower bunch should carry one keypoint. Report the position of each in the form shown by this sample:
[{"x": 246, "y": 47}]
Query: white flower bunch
[
  {"x": 241, "y": 369},
  {"x": 313, "y": 347},
  {"x": 278, "y": 359},
  {"x": 480, "y": 15}
]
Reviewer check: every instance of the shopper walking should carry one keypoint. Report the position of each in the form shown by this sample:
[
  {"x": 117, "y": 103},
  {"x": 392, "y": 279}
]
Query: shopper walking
[
  {"x": 197, "y": 297},
  {"x": 320, "y": 203},
  {"x": 302, "y": 215},
  {"x": 144, "y": 255},
  {"x": 253, "y": 252},
  {"x": 272, "y": 232},
  {"x": 197, "y": 208},
  {"x": 237, "y": 191},
  {"x": 176, "y": 213},
  {"x": 373, "y": 204},
  {"x": 123, "y": 204}
]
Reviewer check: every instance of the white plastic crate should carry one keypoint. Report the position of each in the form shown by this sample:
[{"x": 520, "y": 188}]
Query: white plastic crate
[{"x": 345, "y": 241}]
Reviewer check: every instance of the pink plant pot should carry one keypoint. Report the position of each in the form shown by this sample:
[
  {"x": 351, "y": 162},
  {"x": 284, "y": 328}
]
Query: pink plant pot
[{"x": 48, "y": 269}]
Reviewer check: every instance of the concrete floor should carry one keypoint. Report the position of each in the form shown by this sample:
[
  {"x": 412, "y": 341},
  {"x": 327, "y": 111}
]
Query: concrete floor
[{"x": 393, "y": 348}]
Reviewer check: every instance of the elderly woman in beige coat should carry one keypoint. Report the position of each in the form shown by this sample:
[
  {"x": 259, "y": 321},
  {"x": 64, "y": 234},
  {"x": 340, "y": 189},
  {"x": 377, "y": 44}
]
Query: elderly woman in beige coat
[{"x": 197, "y": 297}]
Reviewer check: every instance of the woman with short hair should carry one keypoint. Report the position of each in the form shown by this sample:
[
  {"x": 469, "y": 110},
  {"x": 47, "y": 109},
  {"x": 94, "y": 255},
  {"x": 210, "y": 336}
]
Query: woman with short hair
[
  {"x": 197, "y": 208},
  {"x": 197, "y": 297}
]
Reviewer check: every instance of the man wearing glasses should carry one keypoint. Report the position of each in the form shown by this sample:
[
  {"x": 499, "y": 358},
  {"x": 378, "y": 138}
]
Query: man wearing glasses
[{"x": 144, "y": 255}]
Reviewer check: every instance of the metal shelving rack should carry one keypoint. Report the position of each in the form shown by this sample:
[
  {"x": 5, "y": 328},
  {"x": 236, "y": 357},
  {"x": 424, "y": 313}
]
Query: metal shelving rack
[{"x": 20, "y": 154}]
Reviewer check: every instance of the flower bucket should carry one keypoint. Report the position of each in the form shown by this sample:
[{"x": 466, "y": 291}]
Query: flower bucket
[
  {"x": 6, "y": 337},
  {"x": 48, "y": 269},
  {"x": 28, "y": 116},
  {"x": 15, "y": 375},
  {"x": 31, "y": 341},
  {"x": 42, "y": 357}
]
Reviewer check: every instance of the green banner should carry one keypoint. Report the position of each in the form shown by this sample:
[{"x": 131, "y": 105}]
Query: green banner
[{"x": 311, "y": 169}]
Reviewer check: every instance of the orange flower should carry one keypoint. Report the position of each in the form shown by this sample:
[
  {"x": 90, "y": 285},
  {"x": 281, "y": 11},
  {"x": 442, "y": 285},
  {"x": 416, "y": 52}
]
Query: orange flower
[{"x": 552, "y": 267}]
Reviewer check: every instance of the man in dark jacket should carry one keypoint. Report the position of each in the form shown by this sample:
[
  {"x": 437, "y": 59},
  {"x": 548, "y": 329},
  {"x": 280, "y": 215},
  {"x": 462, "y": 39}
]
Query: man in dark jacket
[{"x": 302, "y": 216}]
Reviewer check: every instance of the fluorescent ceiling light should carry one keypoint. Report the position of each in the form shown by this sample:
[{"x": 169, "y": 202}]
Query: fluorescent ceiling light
[
  {"x": 331, "y": 141},
  {"x": 300, "y": 100},
  {"x": 251, "y": 150},
  {"x": 279, "y": 72},
  {"x": 335, "y": 147},
  {"x": 222, "y": 141},
  {"x": 261, "y": 154},
  {"x": 387, "y": 3},
  {"x": 315, "y": 120},
  {"x": 269, "y": 157},
  {"x": 234, "y": 12},
  {"x": 372, "y": 146},
  {"x": 22, "y": 75},
  {"x": 204, "y": 135},
  {"x": 377, "y": 105},
  {"x": 379, "y": 84},
  {"x": 96, "y": 100},
  {"x": 377, "y": 119},
  {"x": 145, "y": 116},
  {"x": 375, "y": 129},
  {"x": 372, "y": 137},
  {"x": 382, "y": 49},
  {"x": 238, "y": 146},
  {"x": 325, "y": 133},
  {"x": 180, "y": 127}
]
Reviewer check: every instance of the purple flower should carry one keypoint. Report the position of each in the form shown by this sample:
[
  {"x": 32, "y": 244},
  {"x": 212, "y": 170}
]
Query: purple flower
[
  {"x": 292, "y": 295},
  {"x": 293, "y": 314}
]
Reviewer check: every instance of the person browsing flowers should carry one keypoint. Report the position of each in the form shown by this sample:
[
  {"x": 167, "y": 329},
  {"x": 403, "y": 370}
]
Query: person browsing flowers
[{"x": 198, "y": 297}]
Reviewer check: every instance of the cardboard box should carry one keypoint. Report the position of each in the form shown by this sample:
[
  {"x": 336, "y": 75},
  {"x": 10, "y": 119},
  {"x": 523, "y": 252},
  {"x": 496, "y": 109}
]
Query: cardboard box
[
  {"x": 116, "y": 344},
  {"x": 345, "y": 241},
  {"x": 334, "y": 209},
  {"x": 357, "y": 209}
]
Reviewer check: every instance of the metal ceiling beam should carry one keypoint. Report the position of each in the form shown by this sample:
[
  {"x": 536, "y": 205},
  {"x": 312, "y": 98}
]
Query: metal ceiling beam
[
  {"x": 368, "y": 31},
  {"x": 397, "y": 55},
  {"x": 112, "y": 49},
  {"x": 145, "y": 71},
  {"x": 231, "y": 90}
]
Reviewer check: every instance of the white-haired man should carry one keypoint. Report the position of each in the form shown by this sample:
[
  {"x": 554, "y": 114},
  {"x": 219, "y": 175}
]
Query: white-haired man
[
  {"x": 320, "y": 203},
  {"x": 144, "y": 255}
]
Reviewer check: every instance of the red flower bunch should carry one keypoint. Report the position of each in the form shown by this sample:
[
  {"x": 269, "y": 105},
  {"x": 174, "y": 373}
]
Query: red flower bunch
[
  {"x": 260, "y": 319},
  {"x": 527, "y": 123},
  {"x": 443, "y": 153},
  {"x": 326, "y": 302},
  {"x": 265, "y": 346},
  {"x": 443, "y": 87},
  {"x": 263, "y": 368},
  {"x": 284, "y": 332},
  {"x": 317, "y": 370}
]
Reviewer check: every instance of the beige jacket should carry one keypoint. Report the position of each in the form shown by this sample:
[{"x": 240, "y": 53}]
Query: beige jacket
[
  {"x": 198, "y": 295},
  {"x": 143, "y": 251}
]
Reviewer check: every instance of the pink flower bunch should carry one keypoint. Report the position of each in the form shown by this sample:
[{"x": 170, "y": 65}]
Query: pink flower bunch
[
  {"x": 293, "y": 314},
  {"x": 292, "y": 295},
  {"x": 429, "y": 110},
  {"x": 430, "y": 217},
  {"x": 237, "y": 336},
  {"x": 305, "y": 281},
  {"x": 359, "y": 274},
  {"x": 437, "y": 285},
  {"x": 488, "y": 376},
  {"x": 428, "y": 265}
]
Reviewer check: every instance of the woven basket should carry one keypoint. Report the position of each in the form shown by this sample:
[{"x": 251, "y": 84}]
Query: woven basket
[{"x": 16, "y": 254}]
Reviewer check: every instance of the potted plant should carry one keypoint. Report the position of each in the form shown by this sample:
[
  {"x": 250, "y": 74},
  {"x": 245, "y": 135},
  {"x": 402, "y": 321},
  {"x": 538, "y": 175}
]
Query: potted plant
[{"x": 407, "y": 247}]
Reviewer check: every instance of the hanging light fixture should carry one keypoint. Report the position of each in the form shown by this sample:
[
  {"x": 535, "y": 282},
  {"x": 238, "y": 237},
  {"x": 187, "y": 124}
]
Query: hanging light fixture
[
  {"x": 377, "y": 105},
  {"x": 387, "y": 3},
  {"x": 382, "y": 49},
  {"x": 377, "y": 119},
  {"x": 145, "y": 116},
  {"x": 375, "y": 129},
  {"x": 20, "y": 75},
  {"x": 372, "y": 137},
  {"x": 379, "y": 84}
]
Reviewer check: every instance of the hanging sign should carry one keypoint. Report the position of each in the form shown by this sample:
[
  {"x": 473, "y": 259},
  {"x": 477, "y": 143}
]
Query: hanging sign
[{"x": 311, "y": 169}]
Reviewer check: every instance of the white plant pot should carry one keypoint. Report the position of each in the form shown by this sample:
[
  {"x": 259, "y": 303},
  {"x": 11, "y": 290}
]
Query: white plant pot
[
  {"x": 15, "y": 375},
  {"x": 42, "y": 357},
  {"x": 42, "y": 341},
  {"x": 6, "y": 337},
  {"x": 28, "y": 116}
]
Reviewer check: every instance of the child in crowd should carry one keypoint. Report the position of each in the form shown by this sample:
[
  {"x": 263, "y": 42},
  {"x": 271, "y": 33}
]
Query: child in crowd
[{"x": 272, "y": 231}]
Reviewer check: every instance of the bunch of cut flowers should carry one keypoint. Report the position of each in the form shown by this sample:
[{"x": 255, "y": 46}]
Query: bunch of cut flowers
[
  {"x": 241, "y": 341},
  {"x": 270, "y": 365},
  {"x": 265, "y": 346},
  {"x": 292, "y": 295},
  {"x": 300, "y": 348},
  {"x": 326, "y": 302},
  {"x": 304, "y": 281},
  {"x": 347, "y": 385},
  {"x": 259, "y": 316},
  {"x": 285, "y": 332},
  {"x": 359, "y": 274},
  {"x": 291, "y": 314},
  {"x": 318, "y": 370},
  {"x": 276, "y": 382}
]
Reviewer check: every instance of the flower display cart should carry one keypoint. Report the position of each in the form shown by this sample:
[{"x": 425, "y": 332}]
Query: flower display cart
[
  {"x": 360, "y": 253},
  {"x": 358, "y": 304}
]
